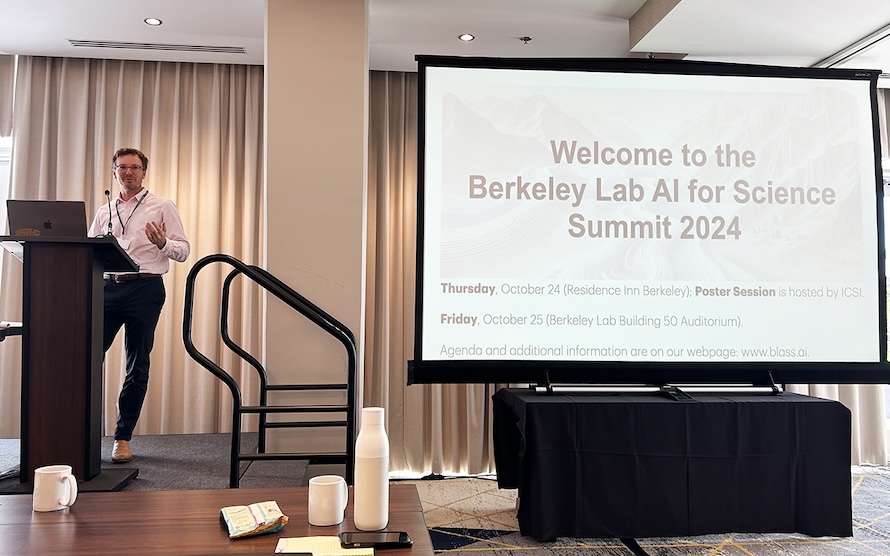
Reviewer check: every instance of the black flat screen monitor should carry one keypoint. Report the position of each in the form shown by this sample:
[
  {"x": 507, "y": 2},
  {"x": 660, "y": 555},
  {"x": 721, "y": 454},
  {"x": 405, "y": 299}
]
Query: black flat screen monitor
[{"x": 648, "y": 221}]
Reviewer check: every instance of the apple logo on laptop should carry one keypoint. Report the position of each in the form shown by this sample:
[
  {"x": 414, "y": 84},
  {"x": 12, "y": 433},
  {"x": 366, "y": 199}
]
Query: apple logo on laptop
[{"x": 48, "y": 224}]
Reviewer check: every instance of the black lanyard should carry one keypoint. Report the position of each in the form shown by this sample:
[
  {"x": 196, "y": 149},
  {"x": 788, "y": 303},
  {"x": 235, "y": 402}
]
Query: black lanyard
[{"x": 124, "y": 224}]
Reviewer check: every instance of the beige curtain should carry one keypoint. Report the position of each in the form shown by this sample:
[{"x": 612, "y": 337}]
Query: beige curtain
[
  {"x": 201, "y": 127},
  {"x": 432, "y": 428},
  {"x": 7, "y": 68}
]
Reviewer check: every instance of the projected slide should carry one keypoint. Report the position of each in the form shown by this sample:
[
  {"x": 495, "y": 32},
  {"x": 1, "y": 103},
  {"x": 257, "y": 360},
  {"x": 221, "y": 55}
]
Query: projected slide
[{"x": 609, "y": 216}]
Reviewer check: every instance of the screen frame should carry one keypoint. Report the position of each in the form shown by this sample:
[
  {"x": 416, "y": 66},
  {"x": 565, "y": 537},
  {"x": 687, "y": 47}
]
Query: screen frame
[{"x": 422, "y": 371}]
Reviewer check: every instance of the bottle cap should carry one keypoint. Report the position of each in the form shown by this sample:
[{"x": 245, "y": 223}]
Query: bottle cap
[{"x": 372, "y": 416}]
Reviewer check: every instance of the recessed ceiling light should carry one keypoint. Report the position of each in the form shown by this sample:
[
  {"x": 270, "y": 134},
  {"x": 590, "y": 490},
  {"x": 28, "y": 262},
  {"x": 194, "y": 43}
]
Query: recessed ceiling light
[
  {"x": 466, "y": 37},
  {"x": 153, "y": 21}
]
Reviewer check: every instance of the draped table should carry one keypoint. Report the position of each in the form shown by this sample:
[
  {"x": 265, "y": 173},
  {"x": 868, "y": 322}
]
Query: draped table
[{"x": 630, "y": 466}]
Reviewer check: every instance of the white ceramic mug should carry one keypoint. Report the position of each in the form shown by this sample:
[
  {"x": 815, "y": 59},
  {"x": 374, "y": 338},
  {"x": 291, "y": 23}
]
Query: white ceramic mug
[
  {"x": 327, "y": 500},
  {"x": 55, "y": 488}
]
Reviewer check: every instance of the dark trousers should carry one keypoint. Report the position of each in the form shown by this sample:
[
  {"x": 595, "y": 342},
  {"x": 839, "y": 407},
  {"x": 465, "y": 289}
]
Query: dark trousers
[{"x": 136, "y": 306}]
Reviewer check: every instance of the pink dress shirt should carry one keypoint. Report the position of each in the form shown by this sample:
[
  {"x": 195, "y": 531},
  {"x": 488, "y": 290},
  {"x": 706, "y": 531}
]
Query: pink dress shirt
[{"x": 128, "y": 220}]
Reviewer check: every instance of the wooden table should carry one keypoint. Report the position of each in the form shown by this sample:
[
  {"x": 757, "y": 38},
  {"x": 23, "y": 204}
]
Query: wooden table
[{"x": 183, "y": 522}]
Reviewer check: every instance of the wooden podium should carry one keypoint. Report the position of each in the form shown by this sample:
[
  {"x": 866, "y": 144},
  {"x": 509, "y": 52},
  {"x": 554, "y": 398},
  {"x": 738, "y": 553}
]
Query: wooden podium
[{"x": 62, "y": 323}]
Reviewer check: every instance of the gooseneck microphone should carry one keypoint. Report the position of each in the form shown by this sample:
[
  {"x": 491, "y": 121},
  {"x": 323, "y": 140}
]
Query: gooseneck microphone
[{"x": 108, "y": 194}]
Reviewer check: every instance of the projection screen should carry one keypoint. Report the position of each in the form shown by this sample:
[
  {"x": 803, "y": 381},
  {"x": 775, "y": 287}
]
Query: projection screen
[{"x": 627, "y": 221}]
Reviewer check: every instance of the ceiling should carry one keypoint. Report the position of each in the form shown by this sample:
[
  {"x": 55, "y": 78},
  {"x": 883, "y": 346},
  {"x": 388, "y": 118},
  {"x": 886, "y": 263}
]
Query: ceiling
[{"x": 786, "y": 32}]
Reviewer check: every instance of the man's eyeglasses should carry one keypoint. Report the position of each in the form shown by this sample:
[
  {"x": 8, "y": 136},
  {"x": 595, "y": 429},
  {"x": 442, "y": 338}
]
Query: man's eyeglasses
[{"x": 123, "y": 168}]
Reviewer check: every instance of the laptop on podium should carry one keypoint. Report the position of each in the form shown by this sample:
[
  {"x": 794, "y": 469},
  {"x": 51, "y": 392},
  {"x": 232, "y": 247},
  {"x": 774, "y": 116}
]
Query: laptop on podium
[{"x": 46, "y": 218}]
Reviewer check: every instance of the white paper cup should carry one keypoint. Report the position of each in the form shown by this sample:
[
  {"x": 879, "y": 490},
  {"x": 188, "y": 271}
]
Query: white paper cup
[
  {"x": 327, "y": 500},
  {"x": 55, "y": 488}
]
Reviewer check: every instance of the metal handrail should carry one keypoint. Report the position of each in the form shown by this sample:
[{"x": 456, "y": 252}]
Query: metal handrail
[{"x": 306, "y": 308}]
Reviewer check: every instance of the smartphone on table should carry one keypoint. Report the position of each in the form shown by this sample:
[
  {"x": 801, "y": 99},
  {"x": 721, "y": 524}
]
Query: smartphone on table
[{"x": 374, "y": 539}]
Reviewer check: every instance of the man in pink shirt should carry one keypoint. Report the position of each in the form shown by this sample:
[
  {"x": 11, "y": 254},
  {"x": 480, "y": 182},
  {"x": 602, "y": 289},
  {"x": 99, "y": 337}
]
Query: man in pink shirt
[{"x": 149, "y": 229}]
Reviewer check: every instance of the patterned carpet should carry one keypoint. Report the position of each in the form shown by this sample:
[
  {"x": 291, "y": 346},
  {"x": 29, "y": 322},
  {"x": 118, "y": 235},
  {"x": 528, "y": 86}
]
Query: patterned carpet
[
  {"x": 178, "y": 462},
  {"x": 472, "y": 517}
]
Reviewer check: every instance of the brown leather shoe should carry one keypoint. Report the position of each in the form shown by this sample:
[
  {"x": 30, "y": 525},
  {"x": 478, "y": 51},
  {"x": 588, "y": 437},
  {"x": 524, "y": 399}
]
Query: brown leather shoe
[{"x": 121, "y": 452}]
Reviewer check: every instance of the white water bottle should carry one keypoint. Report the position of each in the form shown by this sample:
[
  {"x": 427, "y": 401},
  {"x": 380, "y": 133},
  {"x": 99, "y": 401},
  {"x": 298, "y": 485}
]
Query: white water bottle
[{"x": 371, "y": 472}]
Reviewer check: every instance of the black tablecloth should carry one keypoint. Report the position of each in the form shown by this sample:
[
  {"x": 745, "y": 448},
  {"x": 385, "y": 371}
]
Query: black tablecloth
[{"x": 630, "y": 466}]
